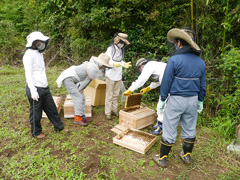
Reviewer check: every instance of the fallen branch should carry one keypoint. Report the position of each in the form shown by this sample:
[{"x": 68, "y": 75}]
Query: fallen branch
[{"x": 52, "y": 59}]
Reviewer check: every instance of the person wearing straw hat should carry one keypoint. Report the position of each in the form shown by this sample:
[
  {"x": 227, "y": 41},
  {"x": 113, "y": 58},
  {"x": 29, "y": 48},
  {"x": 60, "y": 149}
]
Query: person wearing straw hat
[
  {"x": 149, "y": 68},
  {"x": 37, "y": 90},
  {"x": 116, "y": 52},
  {"x": 183, "y": 83},
  {"x": 76, "y": 79}
]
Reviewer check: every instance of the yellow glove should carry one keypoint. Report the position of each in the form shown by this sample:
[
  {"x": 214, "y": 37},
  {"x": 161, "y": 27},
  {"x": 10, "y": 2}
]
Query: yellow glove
[
  {"x": 127, "y": 93},
  {"x": 116, "y": 65},
  {"x": 127, "y": 65},
  {"x": 145, "y": 90}
]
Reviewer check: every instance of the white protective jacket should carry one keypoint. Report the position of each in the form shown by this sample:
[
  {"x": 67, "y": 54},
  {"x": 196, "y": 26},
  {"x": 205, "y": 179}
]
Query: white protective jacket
[
  {"x": 115, "y": 74},
  {"x": 35, "y": 72},
  {"x": 84, "y": 73},
  {"x": 151, "y": 68}
]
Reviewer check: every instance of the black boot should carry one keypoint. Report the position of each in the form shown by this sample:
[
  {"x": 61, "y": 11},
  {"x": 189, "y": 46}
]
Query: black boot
[
  {"x": 160, "y": 159},
  {"x": 185, "y": 153}
]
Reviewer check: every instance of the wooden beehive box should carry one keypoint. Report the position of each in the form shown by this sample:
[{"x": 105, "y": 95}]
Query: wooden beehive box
[
  {"x": 57, "y": 101},
  {"x": 69, "y": 108},
  {"x": 134, "y": 115},
  {"x": 97, "y": 91},
  {"x": 135, "y": 140}
]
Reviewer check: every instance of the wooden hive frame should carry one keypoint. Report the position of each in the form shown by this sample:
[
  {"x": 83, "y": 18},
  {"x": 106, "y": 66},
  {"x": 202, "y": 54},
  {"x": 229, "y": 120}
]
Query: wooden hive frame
[{"x": 135, "y": 140}]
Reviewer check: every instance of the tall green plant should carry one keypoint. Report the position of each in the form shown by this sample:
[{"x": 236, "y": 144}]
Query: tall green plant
[{"x": 228, "y": 102}]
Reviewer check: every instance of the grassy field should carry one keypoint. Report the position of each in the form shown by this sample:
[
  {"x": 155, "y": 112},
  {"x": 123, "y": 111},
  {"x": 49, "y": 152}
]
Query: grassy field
[{"x": 88, "y": 152}]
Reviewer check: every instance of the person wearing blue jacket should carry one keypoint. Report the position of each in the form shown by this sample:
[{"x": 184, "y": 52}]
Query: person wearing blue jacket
[{"x": 183, "y": 88}]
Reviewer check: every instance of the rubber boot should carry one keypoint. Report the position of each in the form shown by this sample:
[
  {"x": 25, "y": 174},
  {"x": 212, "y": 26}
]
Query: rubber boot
[
  {"x": 157, "y": 131},
  {"x": 185, "y": 153},
  {"x": 161, "y": 158},
  {"x": 157, "y": 125}
]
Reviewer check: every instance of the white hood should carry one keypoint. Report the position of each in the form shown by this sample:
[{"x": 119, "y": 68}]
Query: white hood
[{"x": 35, "y": 36}]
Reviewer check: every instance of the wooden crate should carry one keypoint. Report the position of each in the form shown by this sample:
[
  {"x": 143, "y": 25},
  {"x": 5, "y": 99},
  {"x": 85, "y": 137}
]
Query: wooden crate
[
  {"x": 97, "y": 91},
  {"x": 134, "y": 115},
  {"x": 135, "y": 140},
  {"x": 57, "y": 101},
  {"x": 138, "y": 118},
  {"x": 69, "y": 108}
]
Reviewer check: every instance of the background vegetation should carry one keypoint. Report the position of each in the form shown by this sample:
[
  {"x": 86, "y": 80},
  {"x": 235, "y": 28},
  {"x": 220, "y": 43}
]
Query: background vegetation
[{"x": 80, "y": 29}]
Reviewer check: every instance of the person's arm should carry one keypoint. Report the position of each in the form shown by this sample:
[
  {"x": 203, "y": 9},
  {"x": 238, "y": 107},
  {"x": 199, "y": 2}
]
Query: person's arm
[
  {"x": 202, "y": 91},
  {"x": 167, "y": 80},
  {"x": 84, "y": 84},
  {"x": 28, "y": 67},
  {"x": 154, "y": 85},
  {"x": 145, "y": 75},
  {"x": 109, "y": 53}
]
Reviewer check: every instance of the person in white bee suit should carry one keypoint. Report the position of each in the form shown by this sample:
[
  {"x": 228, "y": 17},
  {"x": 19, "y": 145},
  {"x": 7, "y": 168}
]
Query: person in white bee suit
[
  {"x": 116, "y": 52},
  {"x": 76, "y": 79},
  {"x": 37, "y": 90},
  {"x": 147, "y": 69}
]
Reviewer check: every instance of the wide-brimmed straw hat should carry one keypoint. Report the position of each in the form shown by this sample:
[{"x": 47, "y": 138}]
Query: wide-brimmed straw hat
[
  {"x": 121, "y": 36},
  {"x": 35, "y": 36},
  {"x": 103, "y": 59},
  {"x": 185, "y": 34}
]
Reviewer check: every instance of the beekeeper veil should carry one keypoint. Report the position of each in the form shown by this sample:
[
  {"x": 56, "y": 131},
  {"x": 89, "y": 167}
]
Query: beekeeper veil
[{"x": 37, "y": 36}]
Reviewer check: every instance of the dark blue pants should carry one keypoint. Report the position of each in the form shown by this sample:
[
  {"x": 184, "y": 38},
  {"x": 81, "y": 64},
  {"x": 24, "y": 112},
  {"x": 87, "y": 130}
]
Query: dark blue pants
[{"x": 45, "y": 103}]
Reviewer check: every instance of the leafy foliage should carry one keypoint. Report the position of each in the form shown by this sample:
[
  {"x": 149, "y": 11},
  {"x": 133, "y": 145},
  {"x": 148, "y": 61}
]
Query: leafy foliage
[{"x": 80, "y": 29}]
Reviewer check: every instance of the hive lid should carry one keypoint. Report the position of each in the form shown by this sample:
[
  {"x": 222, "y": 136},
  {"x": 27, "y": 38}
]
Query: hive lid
[{"x": 133, "y": 100}]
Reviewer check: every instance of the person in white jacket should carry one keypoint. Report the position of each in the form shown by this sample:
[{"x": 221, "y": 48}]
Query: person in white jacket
[
  {"x": 76, "y": 79},
  {"x": 154, "y": 69},
  {"x": 116, "y": 52},
  {"x": 37, "y": 90}
]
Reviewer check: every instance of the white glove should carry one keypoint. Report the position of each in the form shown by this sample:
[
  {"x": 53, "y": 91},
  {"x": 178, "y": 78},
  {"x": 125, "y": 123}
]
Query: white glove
[
  {"x": 200, "y": 106},
  {"x": 35, "y": 96},
  {"x": 161, "y": 106}
]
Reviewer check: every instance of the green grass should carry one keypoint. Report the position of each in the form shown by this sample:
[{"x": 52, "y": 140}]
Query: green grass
[{"x": 88, "y": 152}]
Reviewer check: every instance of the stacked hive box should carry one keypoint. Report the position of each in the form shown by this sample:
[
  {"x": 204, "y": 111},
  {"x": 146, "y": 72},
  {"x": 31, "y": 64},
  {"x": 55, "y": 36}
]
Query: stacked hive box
[
  {"x": 132, "y": 118},
  {"x": 69, "y": 108},
  {"x": 134, "y": 115},
  {"x": 57, "y": 101}
]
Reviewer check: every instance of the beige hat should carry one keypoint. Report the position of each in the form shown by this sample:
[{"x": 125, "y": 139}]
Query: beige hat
[
  {"x": 140, "y": 62},
  {"x": 103, "y": 59},
  {"x": 121, "y": 36},
  {"x": 185, "y": 34}
]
